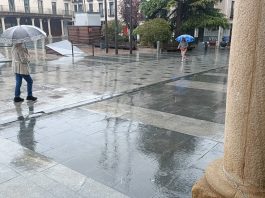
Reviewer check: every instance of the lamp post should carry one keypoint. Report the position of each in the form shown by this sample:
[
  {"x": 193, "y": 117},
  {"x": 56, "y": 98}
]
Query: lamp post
[
  {"x": 116, "y": 27},
  {"x": 131, "y": 26},
  {"x": 106, "y": 27}
]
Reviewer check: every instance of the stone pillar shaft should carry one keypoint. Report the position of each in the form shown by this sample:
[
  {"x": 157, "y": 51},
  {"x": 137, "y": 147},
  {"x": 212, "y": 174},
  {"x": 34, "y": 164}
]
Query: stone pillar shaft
[
  {"x": 242, "y": 172},
  {"x": 220, "y": 35},
  {"x": 41, "y": 25},
  {"x": 3, "y": 24},
  {"x": 33, "y": 21},
  {"x": 62, "y": 27},
  {"x": 49, "y": 27},
  {"x": 18, "y": 21},
  {"x": 245, "y": 116}
]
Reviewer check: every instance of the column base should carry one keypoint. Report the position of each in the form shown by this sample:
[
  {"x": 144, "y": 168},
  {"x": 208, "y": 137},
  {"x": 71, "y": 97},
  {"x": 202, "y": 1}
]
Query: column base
[
  {"x": 202, "y": 190},
  {"x": 215, "y": 184}
]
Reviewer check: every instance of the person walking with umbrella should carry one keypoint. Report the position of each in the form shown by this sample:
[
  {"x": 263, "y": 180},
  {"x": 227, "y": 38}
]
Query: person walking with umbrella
[
  {"x": 20, "y": 57},
  {"x": 20, "y": 61},
  {"x": 183, "y": 44}
]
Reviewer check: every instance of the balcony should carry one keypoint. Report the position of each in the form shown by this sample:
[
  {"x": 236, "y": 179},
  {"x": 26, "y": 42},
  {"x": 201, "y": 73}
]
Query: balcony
[
  {"x": 77, "y": 1},
  {"x": 34, "y": 11}
]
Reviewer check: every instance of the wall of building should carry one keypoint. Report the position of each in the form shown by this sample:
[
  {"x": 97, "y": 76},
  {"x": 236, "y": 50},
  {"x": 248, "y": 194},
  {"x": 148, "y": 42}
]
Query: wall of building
[
  {"x": 219, "y": 33},
  {"x": 34, "y": 6},
  {"x": 95, "y": 5},
  {"x": 34, "y": 15}
]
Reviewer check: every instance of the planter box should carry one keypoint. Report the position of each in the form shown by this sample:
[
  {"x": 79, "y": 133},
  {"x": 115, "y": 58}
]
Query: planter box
[
  {"x": 121, "y": 45},
  {"x": 174, "y": 47}
]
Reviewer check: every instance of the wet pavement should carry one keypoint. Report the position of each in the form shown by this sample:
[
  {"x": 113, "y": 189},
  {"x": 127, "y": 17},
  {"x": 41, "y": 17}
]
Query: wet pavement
[{"x": 123, "y": 126}]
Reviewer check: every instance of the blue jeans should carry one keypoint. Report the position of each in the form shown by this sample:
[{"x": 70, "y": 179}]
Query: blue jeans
[{"x": 27, "y": 78}]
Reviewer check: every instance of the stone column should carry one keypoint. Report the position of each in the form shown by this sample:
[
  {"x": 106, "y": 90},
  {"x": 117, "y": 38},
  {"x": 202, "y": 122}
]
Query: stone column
[
  {"x": 33, "y": 21},
  {"x": 41, "y": 25},
  {"x": 241, "y": 173},
  {"x": 220, "y": 35},
  {"x": 62, "y": 27},
  {"x": 3, "y": 24},
  {"x": 18, "y": 21},
  {"x": 49, "y": 28},
  {"x": 196, "y": 34}
]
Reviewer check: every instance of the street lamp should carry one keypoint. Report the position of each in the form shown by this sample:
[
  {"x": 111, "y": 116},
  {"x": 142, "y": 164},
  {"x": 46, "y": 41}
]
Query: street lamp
[
  {"x": 106, "y": 27},
  {"x": 116, "y": 27},
  {"x": 131, "y": 26}
]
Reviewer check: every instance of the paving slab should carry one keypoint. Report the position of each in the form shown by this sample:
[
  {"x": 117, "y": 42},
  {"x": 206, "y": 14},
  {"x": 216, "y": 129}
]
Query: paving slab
[
  {"x": 61, "y": 83},
  {"x": 114, "y": 126},
  {"x": 28, "y": 174}
]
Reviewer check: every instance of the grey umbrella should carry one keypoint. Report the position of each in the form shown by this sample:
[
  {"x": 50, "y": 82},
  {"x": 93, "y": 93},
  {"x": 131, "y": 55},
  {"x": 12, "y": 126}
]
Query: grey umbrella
[{"x": 21, "y": 34}]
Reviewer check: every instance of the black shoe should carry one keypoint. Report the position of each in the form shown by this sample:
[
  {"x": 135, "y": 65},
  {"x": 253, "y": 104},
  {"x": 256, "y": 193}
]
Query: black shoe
[
  {"x": 32, "y": 98},
  {"x": 18, "y": 99}
]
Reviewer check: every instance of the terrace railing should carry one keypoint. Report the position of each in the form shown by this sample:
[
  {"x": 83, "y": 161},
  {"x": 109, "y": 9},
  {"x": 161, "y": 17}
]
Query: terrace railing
[{"x": 35, "y": 10}]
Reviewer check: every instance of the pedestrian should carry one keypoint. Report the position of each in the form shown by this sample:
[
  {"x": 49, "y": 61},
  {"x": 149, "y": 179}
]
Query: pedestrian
[
  {"x": 206, "y": 45},
  {"x": 183, "y": 46},
  {"x": 20, "y": 61}
]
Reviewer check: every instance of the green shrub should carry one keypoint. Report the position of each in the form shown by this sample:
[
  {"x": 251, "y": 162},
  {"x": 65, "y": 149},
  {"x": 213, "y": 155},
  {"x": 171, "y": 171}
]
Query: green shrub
[
  {"x": 111, "y": 31},
  {"x": 154, "y": 30}
]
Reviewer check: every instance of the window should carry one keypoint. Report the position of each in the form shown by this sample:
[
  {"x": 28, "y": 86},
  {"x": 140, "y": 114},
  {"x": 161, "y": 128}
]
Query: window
[
  {"x": 101, "y": 11},
  {"x": 75, "y": 8},
  {"x": 54, "y": 9},
  {"x": 66, "y": 8},
  {"x": 40, "y": 6},
  {"x": 80, "y": 7},
  {"x": 90, "y": 7},
  {"x": 26, "y": 6},
  {"x": 11, "y": 5},
  {"x": 111, "y": 9}
]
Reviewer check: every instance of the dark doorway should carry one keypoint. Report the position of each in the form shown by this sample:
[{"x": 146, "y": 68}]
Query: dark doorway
[{"x": 25, "y": 21}]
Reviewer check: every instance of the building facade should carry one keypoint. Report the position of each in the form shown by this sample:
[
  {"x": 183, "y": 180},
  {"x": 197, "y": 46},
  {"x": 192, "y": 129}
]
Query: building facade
[
  {"x": 45, "y": 14},
  {"x": 227, "y": 8},
  {"x": 52, "y": 16},
  {"x": 97, "y": 6}
]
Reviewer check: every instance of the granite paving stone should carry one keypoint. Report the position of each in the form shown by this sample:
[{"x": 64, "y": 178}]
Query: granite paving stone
[
  {"x": 141, "y": 125},
  {"x": 57, "y": 82}
]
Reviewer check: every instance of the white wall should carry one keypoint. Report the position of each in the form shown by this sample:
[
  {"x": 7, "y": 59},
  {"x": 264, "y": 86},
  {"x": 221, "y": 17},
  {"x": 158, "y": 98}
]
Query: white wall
[
  {"x": 96, "y": 8},
  {"x": 4, "y": 3},
  {"x": 225, "y": 7}
]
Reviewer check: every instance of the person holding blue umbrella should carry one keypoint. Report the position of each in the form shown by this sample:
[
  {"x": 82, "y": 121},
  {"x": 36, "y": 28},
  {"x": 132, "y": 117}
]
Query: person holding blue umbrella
[{"x": 183, "y": 44}]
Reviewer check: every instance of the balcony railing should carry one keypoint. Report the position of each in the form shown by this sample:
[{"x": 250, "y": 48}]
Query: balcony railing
[
  {"x": 36, "y": 10},
  {"x": 77, "y": 1}
]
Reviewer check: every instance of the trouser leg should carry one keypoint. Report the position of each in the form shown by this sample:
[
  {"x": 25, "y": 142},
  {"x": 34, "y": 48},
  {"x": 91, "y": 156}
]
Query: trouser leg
[
  {"x": 18, "y": 84},
  {"x": 29, "y": 81},
  {"x": 182, "y": 54}
]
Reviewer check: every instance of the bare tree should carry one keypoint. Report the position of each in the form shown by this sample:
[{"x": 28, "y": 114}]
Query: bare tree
[{"x": 125, "y": 12}]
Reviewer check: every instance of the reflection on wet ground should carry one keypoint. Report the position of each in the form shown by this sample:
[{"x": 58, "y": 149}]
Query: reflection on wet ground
[
  {"x": 67, "y": 82},
  {"x": 155, "y": 142}
]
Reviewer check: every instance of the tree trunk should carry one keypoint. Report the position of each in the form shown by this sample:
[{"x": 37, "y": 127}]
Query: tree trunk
[{"x": 178, "y": 18}]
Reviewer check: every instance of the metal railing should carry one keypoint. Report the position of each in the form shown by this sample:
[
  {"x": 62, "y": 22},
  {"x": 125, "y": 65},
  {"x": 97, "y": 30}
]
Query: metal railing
[{"x": 36, "y": 10}]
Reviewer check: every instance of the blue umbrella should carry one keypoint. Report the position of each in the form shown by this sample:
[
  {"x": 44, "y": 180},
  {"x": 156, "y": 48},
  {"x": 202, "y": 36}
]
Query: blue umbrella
[{"x": 188, "y": 38}]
